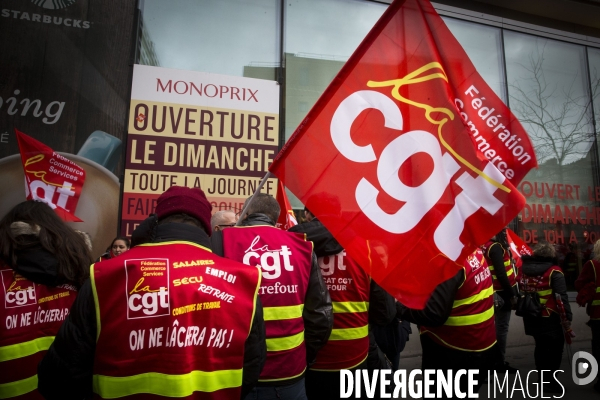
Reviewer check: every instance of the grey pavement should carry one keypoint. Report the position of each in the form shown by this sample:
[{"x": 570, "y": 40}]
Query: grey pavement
[{"x": 519, "y": 353}]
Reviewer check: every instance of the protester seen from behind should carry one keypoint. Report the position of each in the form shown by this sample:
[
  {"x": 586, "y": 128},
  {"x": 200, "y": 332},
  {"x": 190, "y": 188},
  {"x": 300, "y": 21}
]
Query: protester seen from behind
[
  {"x": 43, "y": 264},
  {"x": 588, "y": 295},
  {"x": 189, "y": 326},
  {"x": 504, "y": 275},
  {"x": 354, "y": 302},
  {"x": 544, "y": 278},
  {"x": 457, "y": 327},
  {"x": 297, "y": 306}
]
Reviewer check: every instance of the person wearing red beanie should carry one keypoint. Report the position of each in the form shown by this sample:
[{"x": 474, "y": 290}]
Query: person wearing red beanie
[
  {"x": 185, "y": 200},
  {"x": 172, "y": 282}
]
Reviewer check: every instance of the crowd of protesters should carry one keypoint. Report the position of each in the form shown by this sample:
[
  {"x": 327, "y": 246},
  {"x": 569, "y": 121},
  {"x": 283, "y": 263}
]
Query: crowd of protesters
[{"x": 201, "y": 305}]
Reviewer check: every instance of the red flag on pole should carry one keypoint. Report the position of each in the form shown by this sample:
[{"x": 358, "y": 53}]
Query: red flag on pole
[
  {"x": 518, "y": 247},
  {"x": 50, "y": 177},
  {"x": 409, "y": 158},
  {"x": 287, "y": 219}
]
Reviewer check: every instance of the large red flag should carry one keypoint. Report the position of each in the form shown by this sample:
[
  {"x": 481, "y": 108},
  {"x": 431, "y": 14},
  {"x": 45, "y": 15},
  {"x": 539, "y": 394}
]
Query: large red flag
[
  {"x": 287, "y": 219},
  {"x": 50, "y": 177},
  {"x": 409, "y": 158}
]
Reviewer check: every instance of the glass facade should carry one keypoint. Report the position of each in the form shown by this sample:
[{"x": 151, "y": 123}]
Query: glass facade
[
  {"x": 234, "y": 37},
  {"x": 552, "y": 86}
]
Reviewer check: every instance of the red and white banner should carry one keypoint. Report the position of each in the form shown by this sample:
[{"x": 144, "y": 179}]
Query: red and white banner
[
  {"x": 50, "y": 177},
  {"x": 409, "y": 158},
  {"x": 518, "y": 247},
  {"x": 287, "y": 218}
]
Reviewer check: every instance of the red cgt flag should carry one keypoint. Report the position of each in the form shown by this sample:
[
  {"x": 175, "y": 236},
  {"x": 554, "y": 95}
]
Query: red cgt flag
[
  {"x": 409, "y": 158},
  {"x": 518, "y": 247},
  {"x": 50, "y": 177},
  {"x": 287, "y": 219}
]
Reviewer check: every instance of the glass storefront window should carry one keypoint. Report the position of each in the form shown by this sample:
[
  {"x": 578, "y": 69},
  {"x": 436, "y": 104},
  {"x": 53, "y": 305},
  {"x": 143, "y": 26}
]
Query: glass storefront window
[
  {"x": 320, "y": 36},
  {"x": 594, "y": 70},
  {"x": 234, "y": 37},
  {"x": 549, "y": 92}
]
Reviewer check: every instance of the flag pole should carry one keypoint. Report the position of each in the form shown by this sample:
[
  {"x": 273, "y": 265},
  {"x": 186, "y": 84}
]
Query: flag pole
[{"x": 260, "y": 185}]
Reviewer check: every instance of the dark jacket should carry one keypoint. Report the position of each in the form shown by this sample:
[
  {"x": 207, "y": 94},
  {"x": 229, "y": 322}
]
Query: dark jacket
[
  {"x": 66, "y": 370},
  {"x": 38, "y": 265},
  {"x": 496, "y": 256},
  {"x": 438, "y": 307},
  {"x": 536, "y": 266},
  {"x": 382, "y": 306},
  {"x": 317, "y": 313}
]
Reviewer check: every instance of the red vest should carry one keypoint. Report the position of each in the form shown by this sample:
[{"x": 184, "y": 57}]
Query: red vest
[
  {"x": 541, "y": 285},
  {"x": 471, "y": 325},
  {"x": 594, "y": 308},
  {"x": 285, "y": 259},
  {"x": 30, "y": 316},
  {"x": 508, "y": 266},
  {"x": 349, "y": 287},
  {"x": 173, "y": 319}
]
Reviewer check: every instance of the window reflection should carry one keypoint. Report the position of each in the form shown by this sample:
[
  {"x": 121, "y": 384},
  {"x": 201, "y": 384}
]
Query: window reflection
[
  {"x": 320, "y": 36},
  {"x": 233, "y": 37},
  {"x": 549, "y": 92}
]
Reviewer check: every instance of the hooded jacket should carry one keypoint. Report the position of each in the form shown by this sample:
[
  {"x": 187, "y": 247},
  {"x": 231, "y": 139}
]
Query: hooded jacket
[
  {"x": 66, "y": 371},
  {"x": 24, "y": 347},
  {"x": 537, "y": 266}
]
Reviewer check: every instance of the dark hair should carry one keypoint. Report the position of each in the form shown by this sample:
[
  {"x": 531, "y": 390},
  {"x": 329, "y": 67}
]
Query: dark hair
[
  {"x": 123, "y": 238},
  {"x": 265, "y": 204},
  {"x": 55, "y": 236},
  {"x": 544, "y": 249}
]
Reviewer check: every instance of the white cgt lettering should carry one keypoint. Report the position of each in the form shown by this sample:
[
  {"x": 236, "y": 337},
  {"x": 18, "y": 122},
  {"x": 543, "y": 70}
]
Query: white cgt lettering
[
  {"x": 20, "y": 297},
  {"x": 48, "y": 191},
  {"x": 270, "y": 261},
  {"x": 477, "y": 192},
  {"x": 150, "y": 301}
]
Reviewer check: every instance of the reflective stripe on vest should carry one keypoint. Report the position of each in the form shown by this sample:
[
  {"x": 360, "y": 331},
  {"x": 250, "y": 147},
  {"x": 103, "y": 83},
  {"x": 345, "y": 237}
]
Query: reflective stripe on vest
[
  {"x": 470, "y": 326},
  {"x": 509, "y": 271},
  {"x": 596, "y": 302},
  {"x": 286, "y": 342},
  {"x": 20, "y": 350},
  {"x": 350, "y": 306},
  {"x": 349, "y": 333},
  {"x": 542, "y": 293},
  {"x": 541, "y": 285},
  {"x": 594, "y": 309},
  {"x": 18, "y": 388},
  {"x": 484, "y": 294},
  {"x": 470, "y": 319},
  {"x": 166, "y": 385},
  {"x": 282, "y": 312}
]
